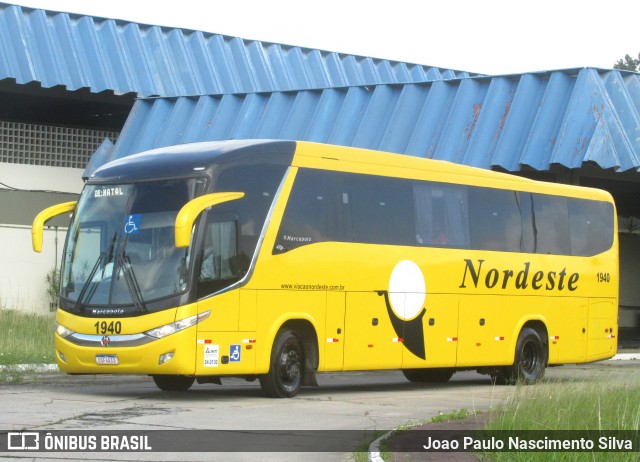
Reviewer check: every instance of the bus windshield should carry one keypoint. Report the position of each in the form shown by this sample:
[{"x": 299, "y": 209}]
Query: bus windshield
[{"x": 121, "y": 248}]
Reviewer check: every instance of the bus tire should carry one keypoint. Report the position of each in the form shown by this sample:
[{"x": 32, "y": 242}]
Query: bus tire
[
  {"x": 530, "y": 360},
  {"x": 173, "y": 382},
  {"x": 286, "y": 370},
  {"x": 433, "y": 375}
]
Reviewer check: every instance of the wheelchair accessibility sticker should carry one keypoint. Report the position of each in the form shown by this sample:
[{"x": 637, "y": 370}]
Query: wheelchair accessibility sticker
[
  {"x": 132, "y": 224},
  {"x": 234, "y": 354}
]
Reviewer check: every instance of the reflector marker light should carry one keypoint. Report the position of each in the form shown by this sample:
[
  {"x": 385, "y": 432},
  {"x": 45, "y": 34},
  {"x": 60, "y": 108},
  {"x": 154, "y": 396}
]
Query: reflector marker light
[
  {"x": 332, "y": 340},
  {"x": 499, "y": 338},
  {"x": 397, "y": 340},
  {"x": 248, "y": 340},
  {"x": 555, "y": 337},
  {"x": 452, "y": 339}
]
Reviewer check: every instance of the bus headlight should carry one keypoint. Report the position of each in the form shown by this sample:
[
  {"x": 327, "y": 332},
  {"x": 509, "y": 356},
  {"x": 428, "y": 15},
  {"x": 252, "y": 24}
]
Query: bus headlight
[
  {"x": 63, "y": 331},
  {"x": 168, "y": 329}
]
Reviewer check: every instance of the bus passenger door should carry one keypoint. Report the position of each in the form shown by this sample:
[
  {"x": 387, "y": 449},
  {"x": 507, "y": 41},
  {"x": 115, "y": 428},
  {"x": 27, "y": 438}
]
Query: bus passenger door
[
  {"x": 370, "y": 339},
  {"x": 334, "y": 332}
]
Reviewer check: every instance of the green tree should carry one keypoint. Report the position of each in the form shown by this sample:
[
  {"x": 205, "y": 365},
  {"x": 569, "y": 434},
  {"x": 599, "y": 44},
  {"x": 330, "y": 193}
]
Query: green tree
[{"x": 628, "y": 64}]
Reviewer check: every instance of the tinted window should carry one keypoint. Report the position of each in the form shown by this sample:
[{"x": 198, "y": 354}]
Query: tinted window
[
  {"x": 334, "y": 206},
  {"x": 551, "y": 225},
  {"x": 382, "y": 210},
  {"x": 496, "y": 223},
  {"x": 316, "y": 211},
  {"x": 591, "y": 224},
  {"x": 442, "y": 218},
  {"x": 305, "y": 218},
  {"x": 259, "y": 184}
]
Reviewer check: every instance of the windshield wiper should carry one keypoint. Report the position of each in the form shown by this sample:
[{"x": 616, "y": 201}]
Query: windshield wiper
[
  {"x": 87, "y": 283},
  {"x": 77, "y": 308},
  {"x": 132, "y": 282}
]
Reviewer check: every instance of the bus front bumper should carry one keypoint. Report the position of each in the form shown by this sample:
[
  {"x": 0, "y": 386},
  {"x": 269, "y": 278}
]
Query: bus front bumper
[{"x": 174, "y": 354}]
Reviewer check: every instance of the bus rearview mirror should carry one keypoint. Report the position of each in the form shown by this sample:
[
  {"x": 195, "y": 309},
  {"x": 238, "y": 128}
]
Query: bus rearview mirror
[
  {"x": 37, "y": 228},
  {"x": 192, "y": 209}
]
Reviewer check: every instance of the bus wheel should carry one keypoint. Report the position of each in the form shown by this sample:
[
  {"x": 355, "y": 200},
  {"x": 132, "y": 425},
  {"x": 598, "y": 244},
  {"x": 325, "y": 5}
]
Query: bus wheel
[
  {"x": 530, "y": 363},
  {"x": 434, "y": 375},
  {"x": 173, "y": 382},
  {"x": 286, "y": 370}
]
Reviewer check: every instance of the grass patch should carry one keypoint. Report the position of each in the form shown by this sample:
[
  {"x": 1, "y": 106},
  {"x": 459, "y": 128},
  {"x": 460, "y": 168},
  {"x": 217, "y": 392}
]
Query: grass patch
[
  {"x": 455, "y": 415},
  {"x": 26, "y": 338},
  {"x": 599, "y": 404}
]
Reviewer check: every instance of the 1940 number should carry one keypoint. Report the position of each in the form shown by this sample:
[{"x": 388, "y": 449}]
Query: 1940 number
[
  {"x": 603, "y": 277},
  {"x": 104, "y": 327}
]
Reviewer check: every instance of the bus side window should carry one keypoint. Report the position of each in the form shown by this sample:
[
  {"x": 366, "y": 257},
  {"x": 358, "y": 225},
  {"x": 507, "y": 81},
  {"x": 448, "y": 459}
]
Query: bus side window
[
  {"x": 441, "y": 215},
  {"x": 382, "y": 210},
  {"x": 305, "y": 217},
  {"x": 496, "y": 222},
  {"x": 590, "y": 223},
  {"x": 220, "y": 262},
  {"x": 551, "y": 219}
]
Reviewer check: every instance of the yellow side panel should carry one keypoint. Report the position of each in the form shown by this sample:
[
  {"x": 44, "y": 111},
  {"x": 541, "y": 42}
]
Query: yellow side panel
[
  {"x": 603, "y": 329},
  {"x": 486, "y": 333},
  {"x": 225, "y": 312},
  {"x": 567, "y": 331},
  {"x": 370, "y": 341},
  {"x": 440, "y": 327},
  {"x": 248, "y": 310},
  {"x": 333, "y": 343}
]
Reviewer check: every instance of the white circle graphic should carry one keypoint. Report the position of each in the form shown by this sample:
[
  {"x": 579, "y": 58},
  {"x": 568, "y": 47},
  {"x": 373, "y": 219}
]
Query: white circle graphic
[{"x": 407, "y": 290}]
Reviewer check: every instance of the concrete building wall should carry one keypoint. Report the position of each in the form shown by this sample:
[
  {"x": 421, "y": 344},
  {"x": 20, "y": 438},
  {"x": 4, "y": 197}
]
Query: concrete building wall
[
  {"x": 36, "y": 177},
  {"x": 22, "y": 271}
]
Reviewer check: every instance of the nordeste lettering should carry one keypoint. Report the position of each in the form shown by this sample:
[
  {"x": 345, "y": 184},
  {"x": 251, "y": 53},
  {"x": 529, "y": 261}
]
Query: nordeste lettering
[{"x": 523, "y": 278}]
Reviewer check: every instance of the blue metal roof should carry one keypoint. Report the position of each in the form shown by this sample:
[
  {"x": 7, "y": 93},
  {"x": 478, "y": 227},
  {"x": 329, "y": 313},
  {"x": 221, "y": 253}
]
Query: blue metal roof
[
  {"x": 99, "y": 54},
  {"x": 568, "y": 118}
]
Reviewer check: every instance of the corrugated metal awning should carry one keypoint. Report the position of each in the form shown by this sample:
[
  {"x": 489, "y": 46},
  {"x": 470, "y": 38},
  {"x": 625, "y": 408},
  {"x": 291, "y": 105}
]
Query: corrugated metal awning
[
  {"x": 510, "y": 123},
  {"x": 99, "y": 54}
]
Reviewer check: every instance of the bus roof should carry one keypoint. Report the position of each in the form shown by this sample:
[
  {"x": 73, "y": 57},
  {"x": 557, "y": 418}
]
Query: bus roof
[
  {"x": 183, "y": 160},
  {"x": 186, "y": 160}
]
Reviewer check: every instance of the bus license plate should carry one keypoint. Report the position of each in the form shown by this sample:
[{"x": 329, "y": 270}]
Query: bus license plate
[{"x": 110, "y": 360}]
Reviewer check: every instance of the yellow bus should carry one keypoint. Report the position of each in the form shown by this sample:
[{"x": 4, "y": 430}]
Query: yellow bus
[{"x": 276, "y": 260}]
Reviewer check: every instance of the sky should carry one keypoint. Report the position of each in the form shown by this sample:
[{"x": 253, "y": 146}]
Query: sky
[{"x": 481, "y": 36}]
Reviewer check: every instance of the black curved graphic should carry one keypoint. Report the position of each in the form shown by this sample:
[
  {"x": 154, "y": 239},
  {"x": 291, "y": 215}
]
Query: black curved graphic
[{"x": 412, "y": 331}]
